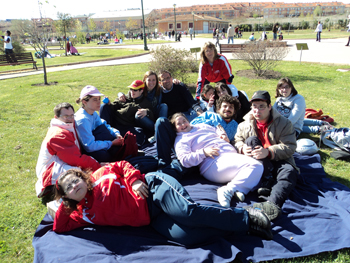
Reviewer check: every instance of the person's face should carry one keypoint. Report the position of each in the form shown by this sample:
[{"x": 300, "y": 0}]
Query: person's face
[
  {"x": 227, "y": 110},
  {"x": 209, "y": 94},
  {"x": 209, "y": 53},
  {"x": 74, "y": 187},
  {"x": 182, "y": 124},
  {"x": 151, "y": 82},
  {"x": 285, "y": 90},
  {"x": 67, "y": 115},
  {"x": 261, "y": 111},
  {"x": 221, "y": 92},
  {"x": 93, "y": 104},
  {"x": 135, "y": 93},
  {"x": 166, "y": 80}
]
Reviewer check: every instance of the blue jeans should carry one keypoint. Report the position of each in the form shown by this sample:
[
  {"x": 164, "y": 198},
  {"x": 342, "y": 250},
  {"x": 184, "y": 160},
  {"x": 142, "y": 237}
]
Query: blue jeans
[
  {"x": 318, "y": 36},
  {"x": 175, "y": 215},
  {"x": 190, "y": 114},
  {"x": 145, "y": 123},
  {"x": 228, "y": 40},
  {"x": 312, "y": 125},
  {"x": 162, "y": 110},
  {"x": 274, "y": 36}
]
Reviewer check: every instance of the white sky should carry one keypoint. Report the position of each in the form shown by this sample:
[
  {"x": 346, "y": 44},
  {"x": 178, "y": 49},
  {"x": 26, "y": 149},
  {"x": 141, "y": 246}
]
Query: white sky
[{"x": 26, "y": 9}]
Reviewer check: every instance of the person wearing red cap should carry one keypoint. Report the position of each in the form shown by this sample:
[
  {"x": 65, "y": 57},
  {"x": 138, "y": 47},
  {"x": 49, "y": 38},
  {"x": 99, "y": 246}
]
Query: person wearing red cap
[
  {"x": 89, "y": 124},
  {"x": 269, "y": 137},
  {"x": 135, "y": 110}
]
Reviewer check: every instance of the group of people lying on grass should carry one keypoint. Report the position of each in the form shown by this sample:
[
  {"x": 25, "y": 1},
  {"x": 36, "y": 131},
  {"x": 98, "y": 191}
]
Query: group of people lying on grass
[{"x": 243, "y": 145}]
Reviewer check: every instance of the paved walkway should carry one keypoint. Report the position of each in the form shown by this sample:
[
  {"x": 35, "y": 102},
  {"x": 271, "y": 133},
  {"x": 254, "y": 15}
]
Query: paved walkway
[{"x": 329, "y": 51}]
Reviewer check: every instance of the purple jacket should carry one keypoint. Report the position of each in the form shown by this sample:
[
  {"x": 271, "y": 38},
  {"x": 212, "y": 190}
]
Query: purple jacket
[{"x": 189, "y": 146}]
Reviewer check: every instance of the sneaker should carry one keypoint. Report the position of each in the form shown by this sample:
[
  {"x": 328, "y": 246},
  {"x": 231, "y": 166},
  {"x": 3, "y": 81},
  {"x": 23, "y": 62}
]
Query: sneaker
[
  {"x": 152, "y": 139},
  {"x": 270, "y": 209},
  {"x": 239, "y": 196},
  {"x": 257, "y": 217},
  {"x": 261, "y": 232},
  {"x": 225, "y": 195}
]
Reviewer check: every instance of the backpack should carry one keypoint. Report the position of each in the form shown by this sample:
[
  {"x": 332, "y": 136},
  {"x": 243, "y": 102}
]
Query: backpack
[{"x": 314, "y": 114}]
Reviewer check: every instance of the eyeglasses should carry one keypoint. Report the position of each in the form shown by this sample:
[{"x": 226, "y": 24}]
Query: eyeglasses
[
  {"x": 66, "y": 117},
  {"x": 261, "y": 107},
  {"x": 165, "y": 79},
  {"x": 70, "y": 186},
  {"x": 284, "y": 87}
]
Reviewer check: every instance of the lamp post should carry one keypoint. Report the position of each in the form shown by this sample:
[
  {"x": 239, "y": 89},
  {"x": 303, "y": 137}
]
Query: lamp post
[
  {"x": 175, "y": 22},
  {"x": 194, "y": 31},
  {"x": 144, "y": 33}
]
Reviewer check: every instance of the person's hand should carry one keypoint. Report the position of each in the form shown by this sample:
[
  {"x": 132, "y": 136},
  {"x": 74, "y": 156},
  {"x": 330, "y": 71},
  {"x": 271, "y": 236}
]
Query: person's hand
[
  {"x": 176, "y": 81},
  {"x": 260, "y": 153},
  {"x": 221, "y": 128},
  {"x": 122, "y": 98},
  {"x": 211, "y": 101},
  {"x": 225, "y": 138},
  {"x": 247, "y": 150},
  {"x": 119, "y": 141},
  {"x": 141, "y": 113},
  {"x": 140, "y": 189},
  {"x": 211, "y": 152}
]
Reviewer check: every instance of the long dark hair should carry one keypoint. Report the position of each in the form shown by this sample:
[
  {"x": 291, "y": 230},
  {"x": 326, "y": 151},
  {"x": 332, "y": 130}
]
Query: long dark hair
[
  {"x": 283, "y": 81},
  {"x": 221, "y": 85},
  {"x": 157, "y": 87}
]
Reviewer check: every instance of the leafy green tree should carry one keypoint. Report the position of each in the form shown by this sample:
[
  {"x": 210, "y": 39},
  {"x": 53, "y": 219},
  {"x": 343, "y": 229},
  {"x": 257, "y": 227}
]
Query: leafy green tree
[
  {"x": 92, "y": 24},
  {"x": 64, "y": 24},
  {"x": 318, "y": 11},
  {"x": 107, "y": 26}
]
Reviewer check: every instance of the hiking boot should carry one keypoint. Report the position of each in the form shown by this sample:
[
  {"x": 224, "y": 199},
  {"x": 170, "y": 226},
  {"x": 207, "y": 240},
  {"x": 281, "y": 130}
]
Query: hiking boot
[
  {"x": 270, "y": 209},
  {"x": 257, "y": 217},
  {"x": 261, "y": 232},
  {"x": 225, "y": 195}
]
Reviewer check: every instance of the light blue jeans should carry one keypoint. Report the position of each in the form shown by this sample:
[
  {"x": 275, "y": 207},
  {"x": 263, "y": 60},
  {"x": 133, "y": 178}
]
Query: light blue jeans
[
  {"x": 228, "y": 40},
  {"x": 312, "y": 126}
]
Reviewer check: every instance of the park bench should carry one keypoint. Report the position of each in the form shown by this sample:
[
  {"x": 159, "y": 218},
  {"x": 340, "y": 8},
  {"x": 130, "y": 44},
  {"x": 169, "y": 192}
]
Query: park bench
[
  {"x": 344, "y": 29},
  {"x": 55, "y": 44},
  {"x": 17, "y": 59},
  {"x": 234, "y": 48}
]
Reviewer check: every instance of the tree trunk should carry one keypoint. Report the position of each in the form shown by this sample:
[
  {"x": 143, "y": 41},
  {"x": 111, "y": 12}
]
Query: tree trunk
[{"x": 44, "y": 66}]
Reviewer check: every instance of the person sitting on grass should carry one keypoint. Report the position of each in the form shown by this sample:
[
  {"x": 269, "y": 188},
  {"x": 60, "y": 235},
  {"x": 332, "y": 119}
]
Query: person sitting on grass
[
  {"x": 119, "y": 195},
  {"x": 252, "y": 38},
  {"x": 207, "y": 99},
  {"x": 218, "y": 160},
  {"x": 60, "y": 150},
  {"x": 99, "y": 139}
]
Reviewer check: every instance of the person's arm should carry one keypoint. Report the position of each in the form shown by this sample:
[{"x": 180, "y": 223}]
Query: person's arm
[
  {"x": 240, "y": 137},
  {"x": 298, "y": 110},
  {"x": 200, "y": 81},
  {"x": 84, "y": 129},
  {"x": 205, "y": 118},
  {"x": 64, "y": 222},
  {"x": 186, "y": 95},
  {"x": 185, "y": 155},
  {"x": 285, "y": 141},
  {"x": 63, "y": 145},
  {"x": 226, "y": 70}
]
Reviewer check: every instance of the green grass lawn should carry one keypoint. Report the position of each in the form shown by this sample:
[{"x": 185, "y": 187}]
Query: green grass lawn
[
  {"x": 297, "y": 34},
  {"x": 27, "y": 110},
  {"x": 89, "y": 54}
]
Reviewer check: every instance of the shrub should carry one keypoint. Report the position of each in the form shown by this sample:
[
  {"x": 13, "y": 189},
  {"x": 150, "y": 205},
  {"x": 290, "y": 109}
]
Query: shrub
[
  {"x": 179, "y": 62},
  {"x": 262, "y": 55}
]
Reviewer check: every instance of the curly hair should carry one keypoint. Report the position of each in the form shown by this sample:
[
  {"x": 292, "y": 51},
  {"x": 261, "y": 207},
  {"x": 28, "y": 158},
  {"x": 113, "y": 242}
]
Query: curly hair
[
  {"x": 230, "y": 100},
  {"x": 59, "y": 192}
]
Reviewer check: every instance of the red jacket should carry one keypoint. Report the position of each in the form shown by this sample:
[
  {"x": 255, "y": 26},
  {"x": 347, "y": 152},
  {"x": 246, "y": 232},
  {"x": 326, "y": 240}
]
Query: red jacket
[
  {"x": 111, "y": 202},
  {"x": 59, "y": 152},
  {"x": 220, "y": 70}
]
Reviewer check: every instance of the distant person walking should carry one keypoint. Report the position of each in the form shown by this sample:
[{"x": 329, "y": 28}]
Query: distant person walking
[
  {"x": 190, "y": 31},
  {"x": 348, "y": 31},
  {"x": 318, "y": 31},
  {"x": 236, "y": 31},
  {"x": 8, "y": 43},
  {"x": 274, "y": 31},
  {"x": 230, "y": 34}
]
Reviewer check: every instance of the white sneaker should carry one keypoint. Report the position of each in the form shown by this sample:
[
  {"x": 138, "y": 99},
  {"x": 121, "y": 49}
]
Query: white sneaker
[{"x": 225, "y": 195}]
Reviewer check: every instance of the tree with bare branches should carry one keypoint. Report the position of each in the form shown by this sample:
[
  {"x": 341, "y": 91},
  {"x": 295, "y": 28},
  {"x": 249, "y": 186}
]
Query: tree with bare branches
[
  {"x": 64, "y": 23},
  {"x": 262, "y": 56}
]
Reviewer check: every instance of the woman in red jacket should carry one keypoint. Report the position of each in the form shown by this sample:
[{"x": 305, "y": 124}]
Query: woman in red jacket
[
  {"x": 214, "y": 67},
  {"x": 119, "y": 195}
]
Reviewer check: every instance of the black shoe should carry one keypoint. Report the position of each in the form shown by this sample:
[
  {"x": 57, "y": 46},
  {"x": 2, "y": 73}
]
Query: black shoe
[
  {"x": 266, "y": 186},
  {"x": 261, "y": 232},
  {"x": 257, "y": 217},
  {"x": 270, "y": 209}
]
